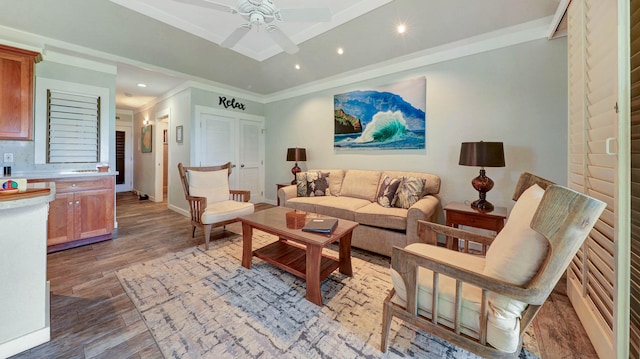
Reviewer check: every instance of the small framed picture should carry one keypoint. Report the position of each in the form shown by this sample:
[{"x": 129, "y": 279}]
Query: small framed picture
[{"x": 179, "y": 134}]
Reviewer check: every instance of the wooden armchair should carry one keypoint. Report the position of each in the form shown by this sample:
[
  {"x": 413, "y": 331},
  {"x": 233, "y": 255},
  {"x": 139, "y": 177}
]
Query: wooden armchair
[
  {"x": 485, "y": 304},
  {"x": 211, "y": 202}
]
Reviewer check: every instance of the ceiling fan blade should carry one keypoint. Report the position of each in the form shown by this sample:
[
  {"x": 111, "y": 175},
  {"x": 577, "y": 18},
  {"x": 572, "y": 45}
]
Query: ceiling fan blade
[
  {"x": 282, "y": 39},
  {"x": 304, "y": 15},
  {"x": 235, "y": 36},
  {"x": 209, "y": 4}
]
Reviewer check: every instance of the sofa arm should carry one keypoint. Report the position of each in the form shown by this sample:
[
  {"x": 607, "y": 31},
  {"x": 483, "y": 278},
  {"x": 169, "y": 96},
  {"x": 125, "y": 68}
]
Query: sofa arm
[
  {"x": 425, "y": 209},
  {"x": 286, "y": 193}
]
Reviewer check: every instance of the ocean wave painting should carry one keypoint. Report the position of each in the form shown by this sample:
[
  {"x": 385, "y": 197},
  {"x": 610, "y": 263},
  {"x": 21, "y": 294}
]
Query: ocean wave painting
[{"x": 388, "y": 117}]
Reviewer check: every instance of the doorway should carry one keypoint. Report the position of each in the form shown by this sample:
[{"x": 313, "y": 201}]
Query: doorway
[
  {"x": 162, "y": 155},
  {"x": 124, "y": 158}
]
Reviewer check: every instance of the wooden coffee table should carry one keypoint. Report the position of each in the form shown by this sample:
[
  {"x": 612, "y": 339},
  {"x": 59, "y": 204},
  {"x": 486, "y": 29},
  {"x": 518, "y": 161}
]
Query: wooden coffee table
[{"x": 298, "y": 252}]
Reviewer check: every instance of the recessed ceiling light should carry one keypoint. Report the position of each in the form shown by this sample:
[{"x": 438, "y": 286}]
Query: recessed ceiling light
[
  {"x": 297, "y": 66},
  {"x": 340, "y": 51},
  {"x": 142, "y": 85},
  {"x": 401, "y": 28}
]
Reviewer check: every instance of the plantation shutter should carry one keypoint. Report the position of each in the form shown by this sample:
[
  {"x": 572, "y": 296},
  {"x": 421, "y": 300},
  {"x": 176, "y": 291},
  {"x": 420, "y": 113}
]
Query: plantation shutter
[
  {"x": 593, "y": 95},
  {"x": 73, "y": 131},
  {"x": 634, "y": 315}
]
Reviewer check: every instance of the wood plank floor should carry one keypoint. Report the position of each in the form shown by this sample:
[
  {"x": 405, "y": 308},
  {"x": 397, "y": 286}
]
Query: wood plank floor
[{"x": 92, "y": 317}]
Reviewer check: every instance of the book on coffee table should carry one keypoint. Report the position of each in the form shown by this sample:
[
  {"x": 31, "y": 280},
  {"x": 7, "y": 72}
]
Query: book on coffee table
[{"x": 321, "y": 225}]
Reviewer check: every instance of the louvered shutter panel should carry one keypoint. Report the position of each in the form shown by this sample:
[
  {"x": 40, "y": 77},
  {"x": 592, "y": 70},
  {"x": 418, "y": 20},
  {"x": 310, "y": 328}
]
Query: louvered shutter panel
[
  {"x": 592, "y": 121},
  {"x": 73, "y": 133},
  {"x": 634, "y": 315}
]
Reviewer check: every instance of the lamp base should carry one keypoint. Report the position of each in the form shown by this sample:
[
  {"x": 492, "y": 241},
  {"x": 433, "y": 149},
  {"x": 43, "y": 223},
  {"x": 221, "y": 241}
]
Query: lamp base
[
  {"x": 482, "y": 205},
  {"x": 295, "y": 170}
]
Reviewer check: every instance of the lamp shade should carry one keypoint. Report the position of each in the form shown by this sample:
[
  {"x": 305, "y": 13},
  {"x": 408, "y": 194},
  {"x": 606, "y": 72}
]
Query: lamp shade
[
  {"x": 296, "y": 154},
  {"x": 482, "y": 154}
]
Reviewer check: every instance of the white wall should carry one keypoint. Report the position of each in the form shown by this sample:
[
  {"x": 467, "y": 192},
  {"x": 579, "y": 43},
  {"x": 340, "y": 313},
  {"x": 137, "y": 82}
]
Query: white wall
[{"x": 516, "y": 95}]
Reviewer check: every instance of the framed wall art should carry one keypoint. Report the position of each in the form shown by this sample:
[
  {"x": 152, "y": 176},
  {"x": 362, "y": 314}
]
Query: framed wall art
[
  {"x": 145, "y": 139},
  {"x": 390, "y": 117},
  {"x": 179, "y": 134}
]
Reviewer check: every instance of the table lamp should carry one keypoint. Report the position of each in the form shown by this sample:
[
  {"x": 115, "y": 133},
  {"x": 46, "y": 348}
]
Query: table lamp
[
  {"x": 482, "y": 154},
  {"x": 296, "y": 154}
]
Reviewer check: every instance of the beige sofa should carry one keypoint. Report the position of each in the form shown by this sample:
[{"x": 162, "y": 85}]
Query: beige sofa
[{"x": 353, "y": 196}]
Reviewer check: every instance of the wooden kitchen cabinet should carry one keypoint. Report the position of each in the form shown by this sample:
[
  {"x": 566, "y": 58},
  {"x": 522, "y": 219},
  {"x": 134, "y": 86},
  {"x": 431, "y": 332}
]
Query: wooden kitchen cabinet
[
  {"x": 82, "y": 213},
  {"x": 16, "y": 93}
]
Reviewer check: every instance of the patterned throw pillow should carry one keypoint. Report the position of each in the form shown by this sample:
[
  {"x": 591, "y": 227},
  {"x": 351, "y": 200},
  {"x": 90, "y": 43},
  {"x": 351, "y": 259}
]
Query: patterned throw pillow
[
  {"x": 387, "y": 191},
  {"x": 408, "y": 192},
  {"x": 318, "y": 184},
  {"x": 301, "y": 183}
]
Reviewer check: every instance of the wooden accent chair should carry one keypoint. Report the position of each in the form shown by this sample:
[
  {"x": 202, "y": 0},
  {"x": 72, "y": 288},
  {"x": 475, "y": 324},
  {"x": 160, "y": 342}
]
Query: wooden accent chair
[
  {"x": 485, "y": 304},
  {"x": 211, "y": 202}
]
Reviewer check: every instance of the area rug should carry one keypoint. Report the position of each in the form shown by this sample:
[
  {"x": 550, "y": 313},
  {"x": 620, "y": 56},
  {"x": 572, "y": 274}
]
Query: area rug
[{"x": 204, "y": 304}]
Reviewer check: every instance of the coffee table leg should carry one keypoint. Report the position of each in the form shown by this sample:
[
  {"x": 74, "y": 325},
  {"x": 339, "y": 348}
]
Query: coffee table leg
[
  {"x": 345, "y": 255},
  {"x": 247, "y": 252},
  {"x": 314, "y": 257}
]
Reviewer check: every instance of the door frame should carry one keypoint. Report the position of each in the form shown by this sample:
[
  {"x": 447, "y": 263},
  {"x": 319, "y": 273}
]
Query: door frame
[
  {"x": 127, "y": 127},
  {"x": 162, "y": 121}
]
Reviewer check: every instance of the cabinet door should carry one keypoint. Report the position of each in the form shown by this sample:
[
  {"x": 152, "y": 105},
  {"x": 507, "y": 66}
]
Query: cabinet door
[
  {"x": 93, "y": 213},
  {"x": 61, "y": 213},
  {"x": 16, "y": 94}
]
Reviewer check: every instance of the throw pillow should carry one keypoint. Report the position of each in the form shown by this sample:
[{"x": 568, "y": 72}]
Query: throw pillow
[
  {"x": 387, "y": 191},
  {"x": 301, "y": 183},
  {"x": 408, "y": 192},
  {"x": 214, "y": 185},
  {"x": 318, "y": 184}
]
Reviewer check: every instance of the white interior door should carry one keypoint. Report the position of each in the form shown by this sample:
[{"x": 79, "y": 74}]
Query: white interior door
[
  {"x": 251, "y": 171},
  {"x": 218, "y": 143}
]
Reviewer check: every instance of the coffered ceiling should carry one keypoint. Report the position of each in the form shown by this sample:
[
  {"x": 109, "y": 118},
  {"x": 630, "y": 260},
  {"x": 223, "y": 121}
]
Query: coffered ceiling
[{"x": 164, "y": 43}]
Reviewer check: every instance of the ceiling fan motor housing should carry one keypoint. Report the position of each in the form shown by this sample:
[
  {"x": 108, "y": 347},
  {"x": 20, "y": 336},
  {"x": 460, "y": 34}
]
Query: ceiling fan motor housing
[{"x": 257, "y": 12}]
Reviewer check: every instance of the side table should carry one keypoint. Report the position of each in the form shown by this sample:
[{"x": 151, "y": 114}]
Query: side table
[
  {"x": 460, "y": 214},
  {"x": 280, "y": 185}
]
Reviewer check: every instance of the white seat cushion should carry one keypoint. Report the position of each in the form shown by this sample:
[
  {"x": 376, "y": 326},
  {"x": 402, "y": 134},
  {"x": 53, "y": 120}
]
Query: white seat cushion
[
  {"x": 213, "y": 185},
  {"x": 502, "y": 333},
  {"x": 225, "y": 210}
]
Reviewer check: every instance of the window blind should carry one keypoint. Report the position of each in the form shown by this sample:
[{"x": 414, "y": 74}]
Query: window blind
[
  {"x": 592, "y": 121},
  {"x": 73, "y": 127},
  {"x": 634, "y": 300}
]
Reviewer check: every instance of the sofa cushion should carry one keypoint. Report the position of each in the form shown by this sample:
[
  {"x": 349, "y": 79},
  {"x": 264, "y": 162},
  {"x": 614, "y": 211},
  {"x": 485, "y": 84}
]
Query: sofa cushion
[
  {"x": 432, "y": 184},
  {"x": 318, "y": 184},
  {"x": 335, "y": 180},
  {"x": 360, "y": 184},
  {"x": 378, "y": 216},
  {"x": 387, "y": 191},
  {"x": 409, "y": 192},
  {"x": 341, "y": 207},
  {"x": 307, "y": 204},
  {"x": 213, "y": 185},
  {"x": 517, "y": 252},
  {"x": 502, "y": 333}
]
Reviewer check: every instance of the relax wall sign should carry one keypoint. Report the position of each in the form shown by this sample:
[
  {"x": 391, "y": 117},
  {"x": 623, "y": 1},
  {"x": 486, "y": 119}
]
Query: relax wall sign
[{"x": 222, "y": 100}]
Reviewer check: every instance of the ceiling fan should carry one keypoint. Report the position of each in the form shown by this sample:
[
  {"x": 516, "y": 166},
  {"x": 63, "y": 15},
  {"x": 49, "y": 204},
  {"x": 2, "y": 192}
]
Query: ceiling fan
[{"x": 263, "y": 13}]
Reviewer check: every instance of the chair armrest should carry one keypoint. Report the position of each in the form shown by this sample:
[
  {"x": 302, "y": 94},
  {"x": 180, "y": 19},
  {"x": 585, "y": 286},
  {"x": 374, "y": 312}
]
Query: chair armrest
[
  {"x": 427, "y": 232},
  {"x": 197, "y": 206},
  {"x": 239, "y": 195},
  {"x": 286, "y": 193},
  {"x": 423, "y": 210}
]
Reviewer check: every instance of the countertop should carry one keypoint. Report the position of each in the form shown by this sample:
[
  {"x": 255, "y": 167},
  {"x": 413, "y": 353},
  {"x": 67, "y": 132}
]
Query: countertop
[
  {"x": 58, "y": 174},
  {"x": 10, "y": 201}
]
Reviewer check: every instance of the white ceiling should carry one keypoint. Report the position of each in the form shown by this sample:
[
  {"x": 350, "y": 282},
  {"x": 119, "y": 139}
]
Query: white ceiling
[
  {"x": 215, "y": 26},
  {"x": 146, "y": 49}
]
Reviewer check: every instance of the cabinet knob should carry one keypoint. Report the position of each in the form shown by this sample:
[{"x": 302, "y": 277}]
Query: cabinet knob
[
  {"x": 77, "y": 202},
  {"x": 74, "y": 185},
  {"x": 70, "y": 203}
]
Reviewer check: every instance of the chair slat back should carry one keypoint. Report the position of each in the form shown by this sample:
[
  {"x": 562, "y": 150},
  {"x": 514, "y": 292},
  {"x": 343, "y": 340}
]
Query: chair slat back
[{"x": 527, "y": 180}]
